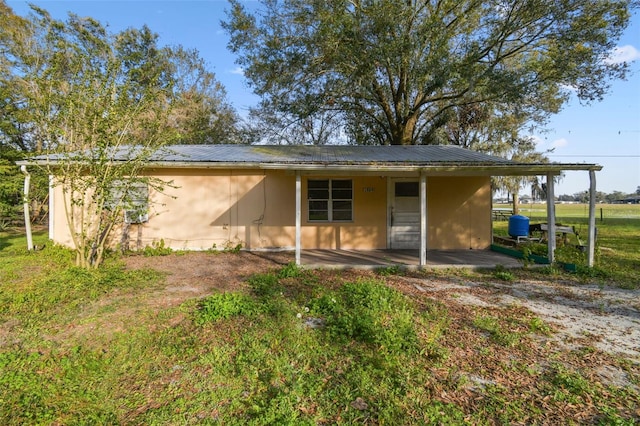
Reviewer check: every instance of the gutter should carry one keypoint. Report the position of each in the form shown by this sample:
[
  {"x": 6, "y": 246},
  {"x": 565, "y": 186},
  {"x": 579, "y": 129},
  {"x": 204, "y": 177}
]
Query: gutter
[
  {"x": 27, "y": 218},
  {"x": 443, "y": 169}
]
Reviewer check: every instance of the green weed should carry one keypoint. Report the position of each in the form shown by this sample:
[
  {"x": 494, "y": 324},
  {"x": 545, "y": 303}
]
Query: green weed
[
  {"x": 536, "y": 325},
  {"x": 389, "y": 270},
  {"x": 290, "y": 270},
  {"x": 265, "y": 285},
  {"x": 497, "y": 331},
  {"x": 569, "y": 385},
  {"x": 225, "y": 306},
  {"x": 228, "y": 247},
  {"x": 157, "y": 248},
  {"x": 501, "y": 273},
  {"x": 370, "y": 312}
]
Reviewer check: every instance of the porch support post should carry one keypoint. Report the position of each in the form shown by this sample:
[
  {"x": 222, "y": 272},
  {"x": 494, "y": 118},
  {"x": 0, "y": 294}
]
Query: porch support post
[
  {"x": 423, "y": 220},
  {"x": 591, "y": 242},
  {"x": 551, "y": 219},
  {"x": 52, "y": 209},
  {"x": 25, "y": 200},
  {"x": 298, "y": 216}
]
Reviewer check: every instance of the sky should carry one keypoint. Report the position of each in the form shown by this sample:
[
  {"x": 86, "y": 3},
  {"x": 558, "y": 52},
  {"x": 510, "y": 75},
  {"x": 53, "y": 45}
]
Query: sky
[{"x": 605, "y": 132}]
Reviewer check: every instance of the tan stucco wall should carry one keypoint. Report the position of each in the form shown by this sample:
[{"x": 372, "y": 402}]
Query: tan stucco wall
[
  {"x": 459, "y": 213},
  {"x": 61, "y": 234},
  {"x": 206, "y": 208},
  {"x": 221, "y": 208},
  {"x": 368, "y": 228}
]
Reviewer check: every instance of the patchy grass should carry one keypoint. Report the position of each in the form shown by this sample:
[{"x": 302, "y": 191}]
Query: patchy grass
[
  {"x": 291, "y": 347},
  {"x": 617, "y": 243}
]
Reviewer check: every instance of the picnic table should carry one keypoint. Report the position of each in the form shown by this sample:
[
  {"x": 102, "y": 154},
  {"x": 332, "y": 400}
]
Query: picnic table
[
  {"x": 543, "y": 229},
  {"x": 501, "y": 213}
]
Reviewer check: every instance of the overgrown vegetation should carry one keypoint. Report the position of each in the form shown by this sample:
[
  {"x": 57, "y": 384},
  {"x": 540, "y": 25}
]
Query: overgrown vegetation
[{"x": 291, "y": 347}]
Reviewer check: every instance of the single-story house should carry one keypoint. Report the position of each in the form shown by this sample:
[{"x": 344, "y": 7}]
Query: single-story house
[
  {"x": 275, "y": 197},
  {"x": 632, "y": 199}
]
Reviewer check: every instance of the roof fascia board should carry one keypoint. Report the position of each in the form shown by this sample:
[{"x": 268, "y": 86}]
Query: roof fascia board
[{"x": 433, "y": 170}]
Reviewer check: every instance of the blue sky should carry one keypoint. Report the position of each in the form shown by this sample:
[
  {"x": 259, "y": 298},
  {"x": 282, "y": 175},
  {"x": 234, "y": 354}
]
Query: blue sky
[{"x": 606, "y": 132}]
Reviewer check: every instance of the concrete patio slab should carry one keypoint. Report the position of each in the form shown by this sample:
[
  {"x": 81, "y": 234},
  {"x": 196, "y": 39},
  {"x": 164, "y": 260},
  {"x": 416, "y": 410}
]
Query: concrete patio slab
[{"x": 371, "y": 259}]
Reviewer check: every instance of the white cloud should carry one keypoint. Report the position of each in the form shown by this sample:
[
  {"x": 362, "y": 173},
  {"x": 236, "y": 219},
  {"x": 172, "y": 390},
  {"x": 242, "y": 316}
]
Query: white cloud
[
  {"x": 559, "y": 143},
  {"x": 237, "y": 71},
  {"x": 623, "y": 54},
  {"x": 537, "y": 140}
]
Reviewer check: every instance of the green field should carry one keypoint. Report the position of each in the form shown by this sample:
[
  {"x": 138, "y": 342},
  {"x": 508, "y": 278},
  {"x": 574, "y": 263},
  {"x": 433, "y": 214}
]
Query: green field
[
  {"x": 617, "y": 242},
  {"x": 580, "y": 212}
]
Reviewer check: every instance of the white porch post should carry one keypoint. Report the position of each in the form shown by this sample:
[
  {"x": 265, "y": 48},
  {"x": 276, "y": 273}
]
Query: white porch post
[
  {"x": 591, "y": 242},
  {"x": 298, "y": 216},
  {"x": 27, "y": 218},
  {"x": 423, "y": 219},
  {"x": 551, "y": 219},
  {"x": 51, "y": 209}
]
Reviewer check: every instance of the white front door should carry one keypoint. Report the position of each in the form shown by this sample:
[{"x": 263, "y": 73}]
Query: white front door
[{"x": 404, "y": 214}]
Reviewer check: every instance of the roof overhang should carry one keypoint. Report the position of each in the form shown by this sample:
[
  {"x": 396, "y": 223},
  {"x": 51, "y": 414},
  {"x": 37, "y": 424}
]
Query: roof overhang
[
  {"x": 448, "y": 169},
  {"x": 432, "y": 160}
]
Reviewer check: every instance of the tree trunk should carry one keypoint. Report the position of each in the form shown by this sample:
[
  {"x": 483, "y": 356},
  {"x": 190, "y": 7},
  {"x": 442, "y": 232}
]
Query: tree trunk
[
  {"x": 516, "y": 201},
  {"x": 402, "y": 133}
]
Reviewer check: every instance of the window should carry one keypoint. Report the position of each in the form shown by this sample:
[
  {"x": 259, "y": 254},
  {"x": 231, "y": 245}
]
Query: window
[
  {"x": 407, "y": 189},
  {"x": 134, "y": 199},
  {"x": 330, "y": 200}
]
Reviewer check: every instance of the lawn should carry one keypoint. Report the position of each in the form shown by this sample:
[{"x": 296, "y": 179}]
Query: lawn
[
  {"x": 617, "y": 243},
  {"x": 291, "y": 346}
]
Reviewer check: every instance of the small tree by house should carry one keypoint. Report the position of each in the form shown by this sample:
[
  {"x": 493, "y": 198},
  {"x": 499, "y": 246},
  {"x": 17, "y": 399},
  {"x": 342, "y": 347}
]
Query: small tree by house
[{"x": 95, "y": 120}]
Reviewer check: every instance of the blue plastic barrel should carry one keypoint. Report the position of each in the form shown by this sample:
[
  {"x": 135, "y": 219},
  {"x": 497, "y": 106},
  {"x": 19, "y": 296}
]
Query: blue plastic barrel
[{"x": 518, "y": 226}]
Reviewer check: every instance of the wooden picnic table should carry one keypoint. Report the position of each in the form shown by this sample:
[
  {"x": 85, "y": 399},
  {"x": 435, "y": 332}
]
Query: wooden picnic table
[{"x": 501, "y": 214}]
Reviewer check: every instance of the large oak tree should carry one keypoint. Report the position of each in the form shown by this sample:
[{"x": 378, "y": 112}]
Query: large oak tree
[{"x": 397, "y": 72}]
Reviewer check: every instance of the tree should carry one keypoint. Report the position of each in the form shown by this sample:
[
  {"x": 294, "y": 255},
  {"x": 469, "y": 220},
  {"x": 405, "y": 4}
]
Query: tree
[
  {"x": 200, "y": 111},
  {"x": 84, "y": 109},
  {"x": 318, "y": 129},
  {"x": 395, "y": 71},
  {"x": 86, "y": 96},
  {"x": 14, "y": 130}
]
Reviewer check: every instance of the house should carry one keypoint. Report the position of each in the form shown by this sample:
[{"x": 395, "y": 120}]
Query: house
[
  {"x": 276, "y": 197},
  {"x": 632, "y": 199}
]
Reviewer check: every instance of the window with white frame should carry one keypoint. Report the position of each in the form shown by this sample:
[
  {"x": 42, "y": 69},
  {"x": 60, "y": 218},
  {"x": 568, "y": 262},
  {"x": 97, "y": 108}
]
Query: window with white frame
[
  {"x": 133, "y": 197},
  {"x": 330, "y": 200}
]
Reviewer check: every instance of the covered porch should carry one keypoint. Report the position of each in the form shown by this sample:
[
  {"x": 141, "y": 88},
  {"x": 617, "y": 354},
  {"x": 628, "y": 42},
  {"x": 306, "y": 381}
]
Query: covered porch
[
  {"x": 409, "y": 259},
  {"x": 422, "y": 255}
]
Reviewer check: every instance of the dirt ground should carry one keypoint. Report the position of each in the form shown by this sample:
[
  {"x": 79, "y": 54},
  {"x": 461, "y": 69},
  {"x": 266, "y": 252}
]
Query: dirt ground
[{"x": 609, "y": 318}]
